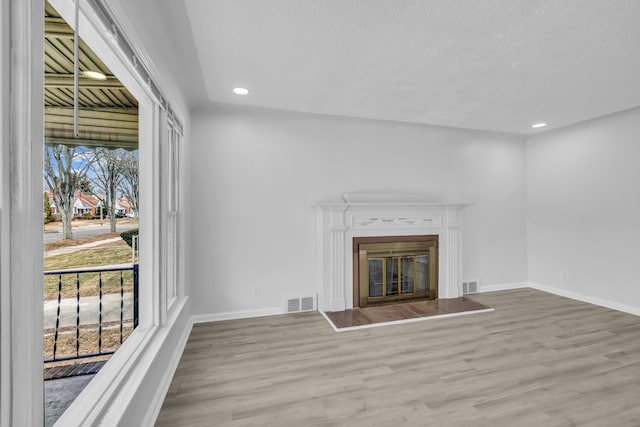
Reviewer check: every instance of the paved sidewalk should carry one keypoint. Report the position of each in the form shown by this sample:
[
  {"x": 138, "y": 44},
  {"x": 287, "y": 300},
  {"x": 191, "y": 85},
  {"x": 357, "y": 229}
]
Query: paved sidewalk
[
  {"x": 71, "y": 249},
  {"x": 89, "y": 310}
]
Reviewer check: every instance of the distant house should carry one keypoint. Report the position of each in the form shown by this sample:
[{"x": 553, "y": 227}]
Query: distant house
[
  {"x": 89, "y": 204},
  {"x": 125, "y": 208},
  {"x": 83, "y": 204},
  {"x": 86, "y": 204}
]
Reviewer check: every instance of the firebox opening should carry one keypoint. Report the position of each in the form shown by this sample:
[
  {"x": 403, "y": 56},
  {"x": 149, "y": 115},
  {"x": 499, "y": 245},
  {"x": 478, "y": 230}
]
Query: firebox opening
[{"x": 393, "y": 269}]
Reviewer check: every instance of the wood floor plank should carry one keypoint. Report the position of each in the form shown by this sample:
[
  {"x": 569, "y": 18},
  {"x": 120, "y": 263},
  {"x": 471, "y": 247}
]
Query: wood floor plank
[{"x": 538, "y": 359}]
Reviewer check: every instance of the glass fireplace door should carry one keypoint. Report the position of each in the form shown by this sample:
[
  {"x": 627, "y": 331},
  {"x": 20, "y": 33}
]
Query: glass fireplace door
[{"x": 397, "y": 272}]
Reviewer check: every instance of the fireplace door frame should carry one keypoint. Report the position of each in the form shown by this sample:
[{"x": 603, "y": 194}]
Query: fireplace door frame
[{"x": 384, "y": 247}]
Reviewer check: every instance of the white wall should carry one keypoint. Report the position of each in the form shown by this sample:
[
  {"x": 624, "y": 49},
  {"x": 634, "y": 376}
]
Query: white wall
[
  {"x": 583, "y": 186},
  {"x": 254, "y": 174},
  {"x": 171, "y": 52}
]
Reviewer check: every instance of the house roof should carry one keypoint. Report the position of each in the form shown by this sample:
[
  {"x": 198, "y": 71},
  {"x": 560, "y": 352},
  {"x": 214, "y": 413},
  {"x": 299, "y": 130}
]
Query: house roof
[
  {"x": 88, "y": 200},
  {"x": 124, "y": 203}
]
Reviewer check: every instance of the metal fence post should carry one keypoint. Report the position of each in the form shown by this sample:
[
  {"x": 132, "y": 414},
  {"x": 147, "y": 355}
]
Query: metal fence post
[{"x": 135, "y": 295}]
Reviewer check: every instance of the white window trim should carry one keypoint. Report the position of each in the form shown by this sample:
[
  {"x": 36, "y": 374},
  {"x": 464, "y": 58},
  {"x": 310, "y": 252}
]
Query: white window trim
[
  {"x": 21, "y": 72},
  {"x": 171, "y": 149},
  {"x": 153, "y": 311}
]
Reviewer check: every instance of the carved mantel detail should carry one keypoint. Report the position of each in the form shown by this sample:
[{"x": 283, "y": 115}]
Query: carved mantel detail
[{"x": 416, "y": 221}]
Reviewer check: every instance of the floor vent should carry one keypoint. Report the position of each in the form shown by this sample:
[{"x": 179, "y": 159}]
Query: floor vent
[
  {"x": 470, "y": 287},
  {"x": 299, "y": 304}
]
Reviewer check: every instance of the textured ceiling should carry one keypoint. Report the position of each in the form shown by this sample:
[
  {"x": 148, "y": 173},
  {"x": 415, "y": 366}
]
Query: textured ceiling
[{"x": 498, "y": 65}]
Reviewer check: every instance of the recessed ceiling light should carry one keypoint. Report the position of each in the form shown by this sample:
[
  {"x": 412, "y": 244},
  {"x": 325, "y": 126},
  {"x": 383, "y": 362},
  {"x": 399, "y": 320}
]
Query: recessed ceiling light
[
  {"x": 96, "y": 75},
  {"x": 241, "y": 91},
  {"x": 538, "y": 125}
]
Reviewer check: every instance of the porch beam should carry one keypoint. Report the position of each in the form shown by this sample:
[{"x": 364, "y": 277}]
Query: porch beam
[{"x": 66, "y": 81}]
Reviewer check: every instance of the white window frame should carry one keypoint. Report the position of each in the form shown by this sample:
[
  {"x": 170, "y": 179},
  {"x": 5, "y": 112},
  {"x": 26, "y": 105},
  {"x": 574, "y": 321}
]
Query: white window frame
[
  {"x": 171, "y": 204},
  {"x": 21, "y": 160}
]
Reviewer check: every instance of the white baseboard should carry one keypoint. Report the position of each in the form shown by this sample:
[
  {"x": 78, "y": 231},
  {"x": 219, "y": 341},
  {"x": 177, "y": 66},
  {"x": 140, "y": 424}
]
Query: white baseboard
[
  {"x": 503, "y": 286},
  {"x": 586, "y": 298},
  {"x": 158, "y": 399},
  {"x": 240, "y": 314}
]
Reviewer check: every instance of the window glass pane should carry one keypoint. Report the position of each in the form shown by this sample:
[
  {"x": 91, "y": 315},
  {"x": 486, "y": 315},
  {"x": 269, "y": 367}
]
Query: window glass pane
[
  {"x": 92, "y": 188},
  {"x": 392, "y": 276},
  {"x": 407, "y": 275},
  {"x": 375, "y": 277},
  {"x": 422, "y": 273}
]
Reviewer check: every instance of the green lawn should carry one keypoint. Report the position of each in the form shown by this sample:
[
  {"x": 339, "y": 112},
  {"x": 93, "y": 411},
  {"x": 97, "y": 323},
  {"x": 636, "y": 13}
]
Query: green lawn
[
  {"x": 79, "y": 241},
  {"x": 88, "y": 258},
  {"x": 89, "y": 282},
  {"x": 88, "y": 340}
]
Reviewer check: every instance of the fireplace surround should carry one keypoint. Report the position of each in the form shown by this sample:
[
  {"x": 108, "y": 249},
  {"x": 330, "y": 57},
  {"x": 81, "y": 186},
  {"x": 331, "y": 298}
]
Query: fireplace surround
[{"x": 360, "y": 215}]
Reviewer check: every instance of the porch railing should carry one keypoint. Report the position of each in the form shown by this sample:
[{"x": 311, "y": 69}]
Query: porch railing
[{"x": 95, "y": 310}]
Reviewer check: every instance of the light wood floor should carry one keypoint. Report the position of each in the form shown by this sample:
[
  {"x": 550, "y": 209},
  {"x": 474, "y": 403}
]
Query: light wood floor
[{"x": 538, "y": 360}]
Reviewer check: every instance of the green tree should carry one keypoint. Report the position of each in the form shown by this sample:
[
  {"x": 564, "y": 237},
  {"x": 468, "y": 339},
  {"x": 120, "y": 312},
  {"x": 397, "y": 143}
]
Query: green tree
[
  {"x": 84, "y": 185},
  {"x": 47, "y": 208}
]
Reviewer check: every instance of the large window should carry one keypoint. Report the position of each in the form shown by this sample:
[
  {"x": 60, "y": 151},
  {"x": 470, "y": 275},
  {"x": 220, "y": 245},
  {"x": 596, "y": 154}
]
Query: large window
[
  {"x": 91, "y": 182},
  {"x": 21, "y": 209},
  {"x": 151, "y": 142}
]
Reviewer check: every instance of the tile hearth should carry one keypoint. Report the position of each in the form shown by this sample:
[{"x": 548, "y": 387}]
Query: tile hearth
[{"x": 402, "y": 313}]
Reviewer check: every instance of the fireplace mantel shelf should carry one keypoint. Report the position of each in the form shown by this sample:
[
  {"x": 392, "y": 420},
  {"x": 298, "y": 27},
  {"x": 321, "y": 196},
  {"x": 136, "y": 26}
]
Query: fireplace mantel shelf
[
  {"x": 366, "y": 199},
  {"x": 363, "y": 215},
  {"x": 338, "y": 204}
]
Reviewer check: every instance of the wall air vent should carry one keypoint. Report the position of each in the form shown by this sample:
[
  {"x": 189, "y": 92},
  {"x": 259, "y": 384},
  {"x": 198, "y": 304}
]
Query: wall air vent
[
  {"x": 293, "y": 305},
  {"x": 299, "y": 304},
  {"x": 307, "y": 304},
  {"x": 470, "y": 286}
]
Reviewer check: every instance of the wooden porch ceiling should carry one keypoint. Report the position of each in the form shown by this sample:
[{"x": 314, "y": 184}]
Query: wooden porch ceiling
[{"x": 108, "y": 113}]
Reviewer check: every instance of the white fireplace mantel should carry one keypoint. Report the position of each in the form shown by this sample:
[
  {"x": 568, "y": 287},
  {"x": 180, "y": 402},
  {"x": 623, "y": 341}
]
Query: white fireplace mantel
[{"x": 364, "y": 215}]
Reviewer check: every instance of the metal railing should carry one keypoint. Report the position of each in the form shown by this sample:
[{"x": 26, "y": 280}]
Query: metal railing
[{"x": 93, "y": 304}]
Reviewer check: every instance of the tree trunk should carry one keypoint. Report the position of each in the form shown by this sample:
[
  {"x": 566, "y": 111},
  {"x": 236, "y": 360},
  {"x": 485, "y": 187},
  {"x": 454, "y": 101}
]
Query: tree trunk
[
  {"x": 65, "y": 207},
  {"x": 112, "y": 202},
  {"x": 67, "y": 232}
]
